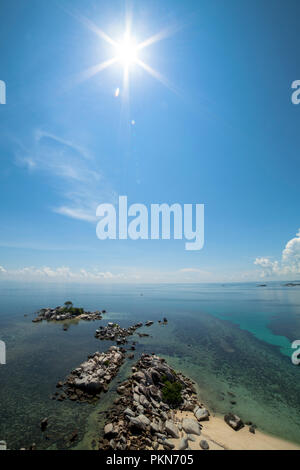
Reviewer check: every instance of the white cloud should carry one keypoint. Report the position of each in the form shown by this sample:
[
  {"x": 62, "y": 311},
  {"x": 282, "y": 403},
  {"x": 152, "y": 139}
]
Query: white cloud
[
  {"x": 73, "y": 173},
  {"x": 79, "y": 214},
  {"x": 289, "y": 264},
  {"x": 62, "y": 273}
]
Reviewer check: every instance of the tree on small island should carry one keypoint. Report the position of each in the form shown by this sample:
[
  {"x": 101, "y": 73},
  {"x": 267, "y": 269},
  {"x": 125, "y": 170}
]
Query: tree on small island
[
  {"x": 69, "y": 307},
  {"x": 68, "y": 304},
  {"x": 171, "y": 392}
]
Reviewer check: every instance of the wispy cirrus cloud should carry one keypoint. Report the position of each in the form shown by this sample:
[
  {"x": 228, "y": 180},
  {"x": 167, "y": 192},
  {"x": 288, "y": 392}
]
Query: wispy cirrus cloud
[
  {"x": 129, "y": 274},
  {"x": 289, "y": 265},
  {"x": 76, "y": 213},
  {"x": 72, "y": 171}
]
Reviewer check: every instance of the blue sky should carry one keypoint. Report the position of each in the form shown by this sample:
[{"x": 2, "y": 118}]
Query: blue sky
[{"x": 221, "y": 131}]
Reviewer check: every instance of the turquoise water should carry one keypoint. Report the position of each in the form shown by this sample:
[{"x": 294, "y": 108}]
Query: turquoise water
[{"x": 231, "y": 338}]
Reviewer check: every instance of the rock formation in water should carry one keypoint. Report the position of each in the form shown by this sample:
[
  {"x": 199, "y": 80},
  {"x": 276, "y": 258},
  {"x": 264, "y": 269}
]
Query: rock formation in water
[{"x": 144, "y": 417}]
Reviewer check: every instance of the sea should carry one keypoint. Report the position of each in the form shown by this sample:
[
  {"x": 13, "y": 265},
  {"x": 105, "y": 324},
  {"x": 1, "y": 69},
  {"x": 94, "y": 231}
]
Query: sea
[{"x": 234, "y": 340}]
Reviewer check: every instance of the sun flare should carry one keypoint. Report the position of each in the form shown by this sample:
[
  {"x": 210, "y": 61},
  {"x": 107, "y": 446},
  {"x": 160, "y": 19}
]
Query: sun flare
[{"x": 127, "y": 51}]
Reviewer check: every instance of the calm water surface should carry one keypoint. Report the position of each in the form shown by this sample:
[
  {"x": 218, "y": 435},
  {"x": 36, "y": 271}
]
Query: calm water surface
[{"x": 233, "y": 338}]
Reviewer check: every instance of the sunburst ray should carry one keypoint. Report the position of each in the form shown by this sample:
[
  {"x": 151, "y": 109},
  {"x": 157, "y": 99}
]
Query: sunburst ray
[
  {"x": 154, "y": 73},
  {"x": 89, "y": 73}
]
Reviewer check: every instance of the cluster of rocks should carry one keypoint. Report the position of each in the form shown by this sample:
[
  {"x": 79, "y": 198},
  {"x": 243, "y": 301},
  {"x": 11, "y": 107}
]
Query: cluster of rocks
[
  {"x": 92, "y": 377},
  {"x": 61, "y": 313},
  {"x": 142, "y": 419},
  {"x": 114, "y": 332}
]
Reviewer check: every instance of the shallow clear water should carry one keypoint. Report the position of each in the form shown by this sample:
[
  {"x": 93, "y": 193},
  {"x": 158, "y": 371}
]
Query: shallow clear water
[{"x": 233, "y": 338}]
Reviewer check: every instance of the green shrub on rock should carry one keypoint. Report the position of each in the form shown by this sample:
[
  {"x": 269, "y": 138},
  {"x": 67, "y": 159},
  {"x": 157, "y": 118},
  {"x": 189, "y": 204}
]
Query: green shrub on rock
[{"x": 171, "y": 392}]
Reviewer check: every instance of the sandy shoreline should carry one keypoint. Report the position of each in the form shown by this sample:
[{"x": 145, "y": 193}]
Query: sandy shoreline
[
  {"x": 154, "y": 413},
  {"x": 220, "y": 436}
]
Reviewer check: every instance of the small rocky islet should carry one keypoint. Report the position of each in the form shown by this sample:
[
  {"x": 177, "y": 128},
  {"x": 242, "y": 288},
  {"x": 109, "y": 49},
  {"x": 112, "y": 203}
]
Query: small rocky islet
[
  {"x": 114, "y": 332},
  {"x": 67, "y": 312},
  {"x": 92, "y": 377}
]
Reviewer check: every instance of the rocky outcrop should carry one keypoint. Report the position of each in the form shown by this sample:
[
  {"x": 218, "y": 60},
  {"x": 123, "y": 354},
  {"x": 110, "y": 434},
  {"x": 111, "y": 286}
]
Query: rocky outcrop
[
  {"x": 86, "y": 382},
  {"x": 114, "y": 332},
  {"x": 144, "y": 417},
  {"x": 63, "y": 313}
]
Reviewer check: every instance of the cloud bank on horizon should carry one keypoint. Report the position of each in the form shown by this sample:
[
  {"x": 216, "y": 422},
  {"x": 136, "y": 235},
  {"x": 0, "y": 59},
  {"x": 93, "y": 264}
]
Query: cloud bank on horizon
[
  {"x": 63, "y": 273},
  {"x": 289, "y": 263},
  {"x": 91, "y": 276},
  {"x": 288, "y": 267}
]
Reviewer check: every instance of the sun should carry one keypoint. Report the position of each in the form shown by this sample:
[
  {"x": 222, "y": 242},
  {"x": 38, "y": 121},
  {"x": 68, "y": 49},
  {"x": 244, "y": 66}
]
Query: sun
[{"x": 127, "y": 51}]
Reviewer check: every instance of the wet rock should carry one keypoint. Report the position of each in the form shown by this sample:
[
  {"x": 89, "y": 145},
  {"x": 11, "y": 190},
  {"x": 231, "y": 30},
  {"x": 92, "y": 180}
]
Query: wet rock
[
  {"x": 234, "y": 421},
  {"x": 252, "y": 429},
  {"x": 44, "y": 424}
]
